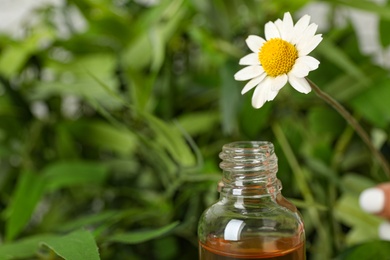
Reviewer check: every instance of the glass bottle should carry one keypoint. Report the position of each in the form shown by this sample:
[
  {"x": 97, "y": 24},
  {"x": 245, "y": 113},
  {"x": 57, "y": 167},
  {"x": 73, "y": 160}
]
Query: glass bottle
[{"x": 251, "y": 220}]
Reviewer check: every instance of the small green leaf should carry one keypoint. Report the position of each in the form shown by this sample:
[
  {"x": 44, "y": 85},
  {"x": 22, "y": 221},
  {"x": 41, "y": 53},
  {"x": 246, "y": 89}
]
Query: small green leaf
[
  {"x": 158, "y": 48},
  {"x": 65, "y": 144},
  {"x": 337, "y": 56},
  {"x": 368, "y": 6},
  {"x": 141, "y": 50},
  {"x": 78, "y": 245},
  {"x": 198, "y": 123},
  {"x": 172, "y": 140},
  {"x": 28, "y": 192},
  {"x": 305, "y": 205},
  {"x": 22, "y": 249},
  {"x": 355, "y": 183},
  {"x": 324, "y": 121},
  {"x": 367, "y": 251},
  {"x": 93, "y": 219},
  {"x": 229, "y": 102},
  {"x": 15, "y": 54},
  {"x": 143, "y": 236},
  {"x": 348, "y": 211},
  {"x": 254, "y": 121},
  {"x": 78, "y": 81},
  {"x": 105, "y": 136},
  {"x": 370, "y": 103},
  {"x": 65, "y": 174},
  {"x": 384, "y": 35},
  {"x": 13, "y": 58}
]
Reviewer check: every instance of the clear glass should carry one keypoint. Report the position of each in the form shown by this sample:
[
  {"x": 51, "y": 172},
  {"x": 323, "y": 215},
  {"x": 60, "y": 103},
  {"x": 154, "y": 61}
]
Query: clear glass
[{"x": 251, "y": 220}]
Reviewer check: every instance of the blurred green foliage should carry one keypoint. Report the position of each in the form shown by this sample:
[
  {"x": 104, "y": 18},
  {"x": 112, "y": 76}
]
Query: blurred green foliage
[{"x": 109, "y": 135}]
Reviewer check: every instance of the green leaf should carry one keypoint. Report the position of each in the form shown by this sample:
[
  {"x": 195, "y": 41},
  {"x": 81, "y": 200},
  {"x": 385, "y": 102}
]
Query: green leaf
[
  {"x": 31, "y": 187},
  {"x": 74, "y": 78},
  {"x": 141, "y": 50},
  {"x": 13, "y": 58},
  {"x": 230, "y": 96},
  {"x": 23, "y": 248},
  {"x": 337, "y": 56},
  {"x": 305, "y": 205},
  {"x": 167, "y": 248},
  {"x": 371, "y": 104},
  {"x": 86, "y": 221},
  {"x": 383, "y": 32},
  {"x": 252, "y": 120},
  {"x": 15, "y": 54},
  {"x": 348, "y": 211},
  {"x": 158, "y": 48},
  {"x": 345, "y": 87},
  {"x": 367, "y": 251},
  {"x": 355, "y": 183},
  {"x": 367, "y": 6},
  {"x": 105, "y": 136},
  {"x": 142, "y": 90},
  {"x": 324, "y": 121},
  {"x": 143, "y": 236},
  {"x": 28, "y": 192},
  {"x": 78, "y": 245},
  {"x": 198, "y": 123},
  {"x": 65, "y": 144},
  {"x": 170, "y": 138},
  {"x": 65, "y": 174}
]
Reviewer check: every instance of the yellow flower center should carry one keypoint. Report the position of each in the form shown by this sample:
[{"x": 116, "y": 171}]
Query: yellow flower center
[{"x": 277, "y": 57}]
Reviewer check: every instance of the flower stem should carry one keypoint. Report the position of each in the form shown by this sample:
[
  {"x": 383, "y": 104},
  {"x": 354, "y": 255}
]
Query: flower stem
[{"x": 353, "y": 123}]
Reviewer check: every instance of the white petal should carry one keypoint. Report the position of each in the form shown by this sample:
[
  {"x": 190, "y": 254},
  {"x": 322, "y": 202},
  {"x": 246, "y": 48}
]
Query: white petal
[
  {"x": 260, "y": 94},
  {"x": 287, "y": 19},
  {"x": 254, "y": 43},
  {"x": 250, "y": 59},
  {"x": 311, "y": 62},
  {"x": 299, "y": 28},
  {"x": 264, "y": 92},
  {"x": 302, "y": 23},
  {"x": 271, "y": 31},
  {"x": 252, "y": 83},
  {"x": 299, "y": 70},
  {"x": 288, "y": 26},
  {"x": 307, "y": 35},
  {"x": 272, "y": 94},
  {"x": 248, "y": 73},
  {"x": 279, "y": 82},
  {"x": 310, "y": 45},
  {"x": 279, "y": 25},
  {"x": 311, "y": 30},
  {"x": 299, "y": 84}
]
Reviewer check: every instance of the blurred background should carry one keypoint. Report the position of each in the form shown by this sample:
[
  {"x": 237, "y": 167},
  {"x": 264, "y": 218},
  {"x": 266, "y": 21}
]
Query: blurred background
[{"x": 112, "y": 115}]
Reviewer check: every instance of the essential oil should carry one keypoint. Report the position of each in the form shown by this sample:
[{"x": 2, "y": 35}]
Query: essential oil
[{"x": 280, "y": 249}]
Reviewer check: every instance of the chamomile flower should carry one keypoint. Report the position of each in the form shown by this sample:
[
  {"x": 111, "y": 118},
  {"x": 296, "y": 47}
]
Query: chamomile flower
[{"x": 279, "y": 58}]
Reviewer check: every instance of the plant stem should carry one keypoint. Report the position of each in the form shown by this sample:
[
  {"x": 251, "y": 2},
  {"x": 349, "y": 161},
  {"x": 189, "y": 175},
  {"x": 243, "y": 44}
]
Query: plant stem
[
  {"x": 353, "y": 123},
  {"x": 304, "y": 187}
]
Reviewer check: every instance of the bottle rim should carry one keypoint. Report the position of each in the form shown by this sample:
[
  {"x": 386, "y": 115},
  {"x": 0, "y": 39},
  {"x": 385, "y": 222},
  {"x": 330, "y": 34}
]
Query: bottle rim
[
  {"x": 246, "y": 156},
  {"x": 249, "y": 146}
]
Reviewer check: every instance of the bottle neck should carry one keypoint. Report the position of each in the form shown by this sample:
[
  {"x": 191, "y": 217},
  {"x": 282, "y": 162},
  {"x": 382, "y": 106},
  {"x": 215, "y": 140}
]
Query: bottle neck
[{"x": 249, "y": 171}]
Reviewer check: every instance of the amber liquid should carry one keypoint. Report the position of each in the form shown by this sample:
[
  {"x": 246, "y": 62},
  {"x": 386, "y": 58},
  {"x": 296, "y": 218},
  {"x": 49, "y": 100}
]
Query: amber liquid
[{"x": 280, "y": 249}]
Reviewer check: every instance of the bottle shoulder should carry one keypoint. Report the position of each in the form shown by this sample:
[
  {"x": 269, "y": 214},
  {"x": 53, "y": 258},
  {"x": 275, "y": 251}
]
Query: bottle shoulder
[
  {"x": 237, "y": 223},
  {"x": 278, "y": 208}
]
